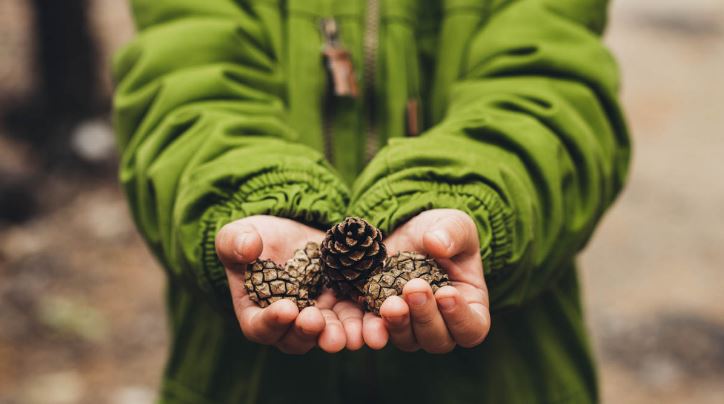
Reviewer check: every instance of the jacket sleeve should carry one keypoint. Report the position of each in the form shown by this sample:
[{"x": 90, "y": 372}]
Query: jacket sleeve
[
  {"x": 199, "y": 113},
  {"x": 532, "y": 146}
]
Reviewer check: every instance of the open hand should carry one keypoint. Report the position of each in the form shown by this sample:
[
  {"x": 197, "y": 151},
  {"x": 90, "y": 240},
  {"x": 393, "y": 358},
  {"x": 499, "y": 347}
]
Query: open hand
[
  {"x": 454, "y": 315},
  {"x": 331, "y": 324}
]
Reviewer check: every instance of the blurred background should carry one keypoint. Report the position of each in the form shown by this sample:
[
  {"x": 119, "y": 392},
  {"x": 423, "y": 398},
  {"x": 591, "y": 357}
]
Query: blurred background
[{"x": 81, "y": 300}]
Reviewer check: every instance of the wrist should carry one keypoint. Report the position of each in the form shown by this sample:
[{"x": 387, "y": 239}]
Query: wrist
[
  {"x": 317, "y": 200},
  {"x": 389, "y": 205}
]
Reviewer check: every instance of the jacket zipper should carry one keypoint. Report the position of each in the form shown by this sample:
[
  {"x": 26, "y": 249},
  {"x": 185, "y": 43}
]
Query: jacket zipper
[
  {"x": 329, "y": 31},
  {"x": 341, "y": 79}
]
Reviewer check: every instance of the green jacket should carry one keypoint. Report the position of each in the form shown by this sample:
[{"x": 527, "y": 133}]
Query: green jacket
[{"x": 223, "y": 110}]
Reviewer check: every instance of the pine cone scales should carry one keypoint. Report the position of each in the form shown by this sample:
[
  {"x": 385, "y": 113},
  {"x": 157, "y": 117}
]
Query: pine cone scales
[
  {"x": 352, "y": 260},
  {"x": 305, "y": 267},
  {"x": 299, "y": 281},
  {"x": 267, "y": 283},
  {"x": 397, "y": 271},
  {"x": 351, "y": 251}
]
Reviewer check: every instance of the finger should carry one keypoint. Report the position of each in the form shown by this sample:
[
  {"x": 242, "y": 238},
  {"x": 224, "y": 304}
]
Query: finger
[
  {"x": 396, "y": 314},
  {"x": 326, "y": 300},
  {"x": 351, "y": 317},
  {"x": 302, "y": 337},
  {"x": 427, "y": 322},
  {"x": 400, "y": 240},
  {"x": 467, "y": 327},
  {"x": 267, "y": 325},
  {"x": 465, "y": 271},
  {"x": 451, "y": 233},
  {"x": 238, "y": 243},
  {"x": 333, "y": 338},
  {"x": 374, "y": 331},
  {"x": 244, "y": 308}
]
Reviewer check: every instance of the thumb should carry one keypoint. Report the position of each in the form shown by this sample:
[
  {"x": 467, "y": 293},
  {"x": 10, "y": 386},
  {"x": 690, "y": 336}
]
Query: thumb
[
  {"x": 238, "y": 243},
  {"x": 451, "y": 233}
]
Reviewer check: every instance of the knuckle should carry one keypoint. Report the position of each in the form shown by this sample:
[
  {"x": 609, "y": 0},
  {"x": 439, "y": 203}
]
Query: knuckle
[
  {"x": 251, "y": 335},
  {"x": 473, "y": 338},
  {"x": 458, "y": 324},
  {"x": 332, "y": 320},
  {"x": 328, "y": 315},
  {"x": 441, "y": 347},
  {"x": 473, "y": 342},
  {"x": 400, "y": 326},
  {"x": 462, "y": 222},
  {"x": 346, "y": 316},
  {"x": 335, "y": 325},
  {"x": 408, "y": 347},
  {"x": 423, "y": 319},
  {"x": 348, "y": 323}
]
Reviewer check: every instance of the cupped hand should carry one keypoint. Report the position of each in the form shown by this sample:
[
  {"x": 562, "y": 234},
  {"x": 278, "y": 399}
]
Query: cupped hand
[
  {"x": 331, "y": 324},
  {"x": 454, "y": 315}
]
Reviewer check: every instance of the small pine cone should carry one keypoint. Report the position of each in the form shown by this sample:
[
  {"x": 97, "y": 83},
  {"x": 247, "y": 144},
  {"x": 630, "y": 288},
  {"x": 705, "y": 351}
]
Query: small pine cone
[
  {"x": 305, "y": 267},
  {"x": 398, "y": 270},
  {"x": 351, "y": 251},
  {"x": 266, "y": 282}
]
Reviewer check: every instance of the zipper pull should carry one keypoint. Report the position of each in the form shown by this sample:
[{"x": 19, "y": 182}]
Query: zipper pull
[
  {"x": 413, "y": 116},
  {"x": 338, "y": 61}
]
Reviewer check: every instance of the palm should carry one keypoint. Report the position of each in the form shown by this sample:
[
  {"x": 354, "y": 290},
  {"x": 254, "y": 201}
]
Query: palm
[
  {"x": 331, "y": 324},
  {"x": 464, "y": 270},
  {"x": 455, "y": 315}
]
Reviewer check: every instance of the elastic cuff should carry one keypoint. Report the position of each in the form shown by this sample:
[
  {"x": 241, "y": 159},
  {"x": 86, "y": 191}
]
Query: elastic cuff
[
  {"x": 388, "y": 205},
  {"x": 313, "y": 198}
]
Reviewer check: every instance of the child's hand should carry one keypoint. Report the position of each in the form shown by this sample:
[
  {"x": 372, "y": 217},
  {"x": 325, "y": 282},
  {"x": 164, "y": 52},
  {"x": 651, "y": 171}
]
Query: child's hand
[
  {"x": 455, "y": 315},
  {"x": 332, "y": 324}
]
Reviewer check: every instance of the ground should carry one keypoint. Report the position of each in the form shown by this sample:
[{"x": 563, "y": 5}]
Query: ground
[{"x": 82, "y": 299}]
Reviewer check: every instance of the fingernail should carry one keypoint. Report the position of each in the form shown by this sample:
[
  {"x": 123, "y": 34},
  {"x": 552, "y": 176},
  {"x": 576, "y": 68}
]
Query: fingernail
[
  {"x": 240, "y": 243},
  {"x": 446, "y": 303},
  {"x": 443, "y": 238},
  {"x": 417, "y": 299}
]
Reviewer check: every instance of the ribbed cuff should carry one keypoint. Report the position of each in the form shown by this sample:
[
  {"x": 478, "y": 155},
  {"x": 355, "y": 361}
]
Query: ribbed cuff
[
  {"x": 314, "y": 198},
  {"x": 388, "y": 205}
]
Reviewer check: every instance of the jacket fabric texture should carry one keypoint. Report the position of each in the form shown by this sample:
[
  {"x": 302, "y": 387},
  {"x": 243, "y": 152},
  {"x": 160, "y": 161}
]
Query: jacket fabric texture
[{"x": 223, "y": 110}]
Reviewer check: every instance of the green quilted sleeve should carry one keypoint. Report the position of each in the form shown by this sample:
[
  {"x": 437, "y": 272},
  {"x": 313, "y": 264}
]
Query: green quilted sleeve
[
  {"x": 532, "y": 146},
  {"x": 200, "y": 117}
]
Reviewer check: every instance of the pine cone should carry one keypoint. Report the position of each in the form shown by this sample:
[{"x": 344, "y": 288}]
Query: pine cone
[
  {"x": 266, "y": 282},
  {"x": 351, "y": 252},
  {"x": 397, "y": 271},
  {"x": 305, "y": 267}
]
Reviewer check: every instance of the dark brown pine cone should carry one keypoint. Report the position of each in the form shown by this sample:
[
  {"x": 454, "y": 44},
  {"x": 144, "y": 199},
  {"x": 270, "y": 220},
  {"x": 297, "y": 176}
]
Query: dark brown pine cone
[
  {"x": 305, "y": 267},
  {"x": 397, "y": 271},
  {"x": 266, "y": 282},
  {"x": 351, "y": 251}
]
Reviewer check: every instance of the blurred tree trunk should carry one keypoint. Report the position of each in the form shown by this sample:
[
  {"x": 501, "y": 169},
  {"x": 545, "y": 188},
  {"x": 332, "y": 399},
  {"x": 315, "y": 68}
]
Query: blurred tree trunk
[
  {"x": 67, "y": 91},
  {"x": 67, "y": 87},
  {"x": 66, "y": 59}
]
